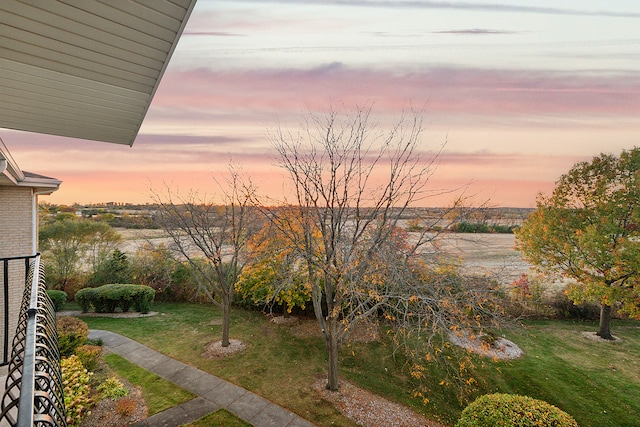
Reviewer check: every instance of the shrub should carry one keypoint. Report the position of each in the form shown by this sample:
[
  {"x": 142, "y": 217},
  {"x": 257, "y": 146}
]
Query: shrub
[
  {"x": 72, "y": 333},
  {"x": 112, "y": 388},
  {"x": 58, "y": 298},
  {"x": 510, "y": 410},
  {"x": 89, "y": 355},
  {"x": 143, "y": 298},
  {"x": 84, "y": 297},
  {"x": 126, "y": 407},
  {"x": 566, "y": 309},
  {"x": 108, "y": 298},
  {"x": 76, "y": 380}
]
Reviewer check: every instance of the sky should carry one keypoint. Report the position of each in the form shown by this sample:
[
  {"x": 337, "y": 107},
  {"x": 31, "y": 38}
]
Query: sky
[{"x": 516, "y": 91}]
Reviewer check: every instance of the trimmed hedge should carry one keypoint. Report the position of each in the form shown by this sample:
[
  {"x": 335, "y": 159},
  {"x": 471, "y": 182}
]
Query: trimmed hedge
[
  {"x": 107, "y": 298},
  {"x": 58, "y": 298},
  {"x": 511, "y": 410}
]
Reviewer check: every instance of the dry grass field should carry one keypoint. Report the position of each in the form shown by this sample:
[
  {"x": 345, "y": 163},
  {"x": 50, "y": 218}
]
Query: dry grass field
[{"x": 482, "y": 253}]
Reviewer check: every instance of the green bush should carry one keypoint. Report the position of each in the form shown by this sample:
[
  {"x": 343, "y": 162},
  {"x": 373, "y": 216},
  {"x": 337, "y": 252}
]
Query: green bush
[
  {"x": 510, "y": 410},
  {"x": 143, "y": 298},
  {"x": 84, "y": 297},
  {"x": 72, "y": 333},
  {"x": 108, "y": 298},
  {"x": 58, "y": 298},
  {"x": 77, "y": 389}
]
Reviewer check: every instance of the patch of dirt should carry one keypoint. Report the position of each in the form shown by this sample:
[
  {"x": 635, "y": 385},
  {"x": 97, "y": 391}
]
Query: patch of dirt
[
  {"x": 215, "y": 349},
  {"x": 368, "y": 409},
  {"x": 594, "y": 337},
  {"x": 502, "y": 349},
  {"x": 120, "y": 412}
]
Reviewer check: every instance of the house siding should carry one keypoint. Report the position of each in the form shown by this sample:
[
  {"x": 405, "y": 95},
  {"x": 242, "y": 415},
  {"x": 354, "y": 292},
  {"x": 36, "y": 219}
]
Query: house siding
[{"x": 15, "y": 240}]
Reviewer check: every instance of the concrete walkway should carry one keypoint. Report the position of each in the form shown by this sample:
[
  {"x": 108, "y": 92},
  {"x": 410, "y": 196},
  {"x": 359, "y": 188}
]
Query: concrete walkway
[{"x": 213, "y": 393}]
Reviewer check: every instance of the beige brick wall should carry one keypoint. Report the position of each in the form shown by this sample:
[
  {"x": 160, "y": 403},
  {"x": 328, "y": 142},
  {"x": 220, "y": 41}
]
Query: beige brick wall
[{"x": 15, "y": 240}]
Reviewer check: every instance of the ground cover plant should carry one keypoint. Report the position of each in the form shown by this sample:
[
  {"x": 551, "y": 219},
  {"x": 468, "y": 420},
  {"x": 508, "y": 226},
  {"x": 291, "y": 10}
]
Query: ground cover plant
[{"x": 593, "y": 382}]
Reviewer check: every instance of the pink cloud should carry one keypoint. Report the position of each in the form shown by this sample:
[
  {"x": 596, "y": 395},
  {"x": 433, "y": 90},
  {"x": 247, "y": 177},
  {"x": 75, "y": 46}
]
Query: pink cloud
[{"x": 443, "y": 91}]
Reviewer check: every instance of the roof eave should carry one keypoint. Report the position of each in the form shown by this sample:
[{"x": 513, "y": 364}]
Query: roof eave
[{"x": 163, "y": 69}]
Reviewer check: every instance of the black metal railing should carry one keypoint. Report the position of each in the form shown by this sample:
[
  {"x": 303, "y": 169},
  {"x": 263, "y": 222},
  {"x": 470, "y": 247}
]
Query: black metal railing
[
  {"x": 19, "y": 266},
  {"x": 34, "y": 392}
]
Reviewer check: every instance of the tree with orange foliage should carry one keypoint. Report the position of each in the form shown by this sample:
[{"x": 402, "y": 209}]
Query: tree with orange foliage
[{"x": 275, "y": 273}]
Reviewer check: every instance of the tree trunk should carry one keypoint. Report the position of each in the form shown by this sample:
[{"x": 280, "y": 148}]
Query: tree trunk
[
  {"x": 605, "y": 322},
  {"x": 226, "y": 319},
  {"x": 331, "y": 339}
]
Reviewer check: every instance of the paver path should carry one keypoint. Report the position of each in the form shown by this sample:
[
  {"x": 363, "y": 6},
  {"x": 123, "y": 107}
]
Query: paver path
[{"x": 213, "y": 392}]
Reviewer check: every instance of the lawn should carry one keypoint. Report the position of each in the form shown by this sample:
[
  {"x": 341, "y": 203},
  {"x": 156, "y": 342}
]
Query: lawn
[
  {"x": 597, "y": 383},
  {"x": 159, "y": 394}
]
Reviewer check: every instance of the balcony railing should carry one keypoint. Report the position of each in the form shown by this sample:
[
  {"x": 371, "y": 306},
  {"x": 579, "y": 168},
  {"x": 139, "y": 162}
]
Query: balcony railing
[{"x": 34, "y": 391}]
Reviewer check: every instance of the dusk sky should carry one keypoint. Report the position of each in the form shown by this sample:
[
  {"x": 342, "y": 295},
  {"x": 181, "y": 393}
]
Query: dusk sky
[{"x": 518, "y": 90}]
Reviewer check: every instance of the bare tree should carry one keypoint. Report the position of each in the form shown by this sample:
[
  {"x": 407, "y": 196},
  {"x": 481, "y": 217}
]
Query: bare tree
[
  {"x": 353, "y": 184},
  {"x": 212, "y": 237}
]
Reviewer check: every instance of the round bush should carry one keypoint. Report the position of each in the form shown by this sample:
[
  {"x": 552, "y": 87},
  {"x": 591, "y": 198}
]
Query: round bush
[
  {"x": 85, "y": 298},
  {"x": 58, "y": 298},
  {"x": 510, "y": 410}
]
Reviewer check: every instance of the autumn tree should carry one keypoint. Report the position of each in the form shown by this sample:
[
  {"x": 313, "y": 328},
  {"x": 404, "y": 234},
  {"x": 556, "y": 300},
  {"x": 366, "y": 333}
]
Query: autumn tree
[
  {"x": 588, "y": 230},
  {"x": 353, "y": 183},
  {"x": 275, "y": 273},
  {"x": 212, "y": 236}
]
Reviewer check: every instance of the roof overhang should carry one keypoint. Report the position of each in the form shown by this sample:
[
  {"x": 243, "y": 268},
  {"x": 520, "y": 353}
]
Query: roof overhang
[
  {"x": 12, "y": 175},
  {"x": 85, "y": 68}
]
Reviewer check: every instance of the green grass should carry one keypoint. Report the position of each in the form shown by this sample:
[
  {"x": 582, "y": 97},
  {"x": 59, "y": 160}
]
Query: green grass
[
  {"x": 596, "y": 383},
  {"x": 159, "y": 394},
  {"x": 220, "y": 418}
]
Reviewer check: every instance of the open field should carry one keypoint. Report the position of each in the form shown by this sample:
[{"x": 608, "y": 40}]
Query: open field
[
  {"x": 597, "y": 383},
  {"x": 492, "y": 253}
]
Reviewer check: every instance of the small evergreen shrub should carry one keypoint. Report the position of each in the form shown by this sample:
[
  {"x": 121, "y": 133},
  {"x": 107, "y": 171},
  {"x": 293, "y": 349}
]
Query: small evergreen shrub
[
  {"x": 510, "y": 410},
  {"x": 58, "y": 298},
  {"x": 89, "y": 355},
  {"x": 77, "y": 387},
  {"x": 72, "y": 333}
]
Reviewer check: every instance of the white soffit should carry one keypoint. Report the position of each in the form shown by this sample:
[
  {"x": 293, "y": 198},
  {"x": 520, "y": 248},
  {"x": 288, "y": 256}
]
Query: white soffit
[{"x": 85, "y": 68}]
